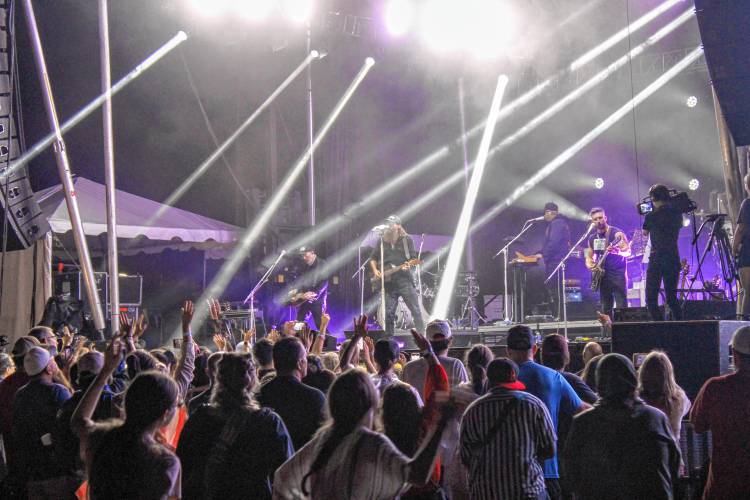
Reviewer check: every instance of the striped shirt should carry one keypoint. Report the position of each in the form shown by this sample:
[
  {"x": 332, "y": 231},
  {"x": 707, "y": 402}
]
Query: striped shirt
[
  {"x": 366, "y": 465},
  {"x": 509, "y": 465}
]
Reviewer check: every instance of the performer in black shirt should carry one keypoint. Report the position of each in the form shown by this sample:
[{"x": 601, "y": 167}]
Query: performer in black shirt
[
  {"x": 663, "y": 225},
  {"x": 612, "y": 242},
  {"x": 398, "y": 249},
  {"x": 310, "y": 296},
  {"x": 556, "y": 245}
]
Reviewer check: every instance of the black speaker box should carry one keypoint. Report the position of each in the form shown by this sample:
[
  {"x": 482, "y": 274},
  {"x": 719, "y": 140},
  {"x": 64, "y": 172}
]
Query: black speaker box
[
  {"x": 691, "y": 309},
  {"x": 698, "y": 350}
]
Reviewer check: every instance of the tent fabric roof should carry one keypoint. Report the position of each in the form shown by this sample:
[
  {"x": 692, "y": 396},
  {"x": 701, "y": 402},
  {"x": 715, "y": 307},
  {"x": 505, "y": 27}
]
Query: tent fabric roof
[{"x": 132, "y": 213}]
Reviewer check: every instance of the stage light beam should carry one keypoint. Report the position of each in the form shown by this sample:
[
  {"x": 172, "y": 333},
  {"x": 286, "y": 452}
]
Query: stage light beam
[
  {"x": 255, "y": 10},
  {"x": 183, "y": 188},
  {"x": 47, "y": 141},
  {"x": 597, "y": 131},
  {"x": 445, "y": 292},
  {"x": 250, "y": 236},
  {"x": 390, "y": 187}
]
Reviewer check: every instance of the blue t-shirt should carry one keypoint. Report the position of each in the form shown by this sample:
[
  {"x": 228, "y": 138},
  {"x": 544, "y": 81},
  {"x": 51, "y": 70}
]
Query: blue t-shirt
[{"x": 556, "y": 393}]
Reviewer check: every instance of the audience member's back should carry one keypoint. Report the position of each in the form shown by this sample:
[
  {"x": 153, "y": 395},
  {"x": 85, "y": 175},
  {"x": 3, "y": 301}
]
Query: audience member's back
[
  {"x": 300, "y": 406},
  {"x": 622, "y": 448},
  {"x": 723, "y": 407},
  {"x": 439, "y": 334},
  {"x": 231, "y": 447}
]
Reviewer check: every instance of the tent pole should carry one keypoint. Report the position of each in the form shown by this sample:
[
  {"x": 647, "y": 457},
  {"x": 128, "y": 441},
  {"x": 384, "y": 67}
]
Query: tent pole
[
  {"x": 63, "y": 169},
  {"x": 109, "y": 171}
]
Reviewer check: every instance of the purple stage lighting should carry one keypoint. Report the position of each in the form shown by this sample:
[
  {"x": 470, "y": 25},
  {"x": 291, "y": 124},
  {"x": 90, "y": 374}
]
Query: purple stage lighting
[{"x": 398, "y": 16}]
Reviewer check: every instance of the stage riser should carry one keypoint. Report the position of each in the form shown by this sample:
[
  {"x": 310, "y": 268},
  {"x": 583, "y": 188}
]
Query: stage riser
[{"x": 698, "y": 350}]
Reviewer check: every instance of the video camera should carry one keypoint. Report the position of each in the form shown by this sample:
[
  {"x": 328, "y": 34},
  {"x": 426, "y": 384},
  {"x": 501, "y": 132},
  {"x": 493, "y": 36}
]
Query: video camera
[{"x": 678, "y": 200}]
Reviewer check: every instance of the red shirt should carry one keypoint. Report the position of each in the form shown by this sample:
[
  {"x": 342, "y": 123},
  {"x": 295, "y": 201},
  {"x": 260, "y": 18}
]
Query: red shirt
[{"x": 723, "y": 407}]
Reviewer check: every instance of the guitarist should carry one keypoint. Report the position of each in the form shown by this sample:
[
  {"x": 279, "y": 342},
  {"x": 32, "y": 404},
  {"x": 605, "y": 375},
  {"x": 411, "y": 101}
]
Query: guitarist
[
  {"x": 398, "y": 248},
  {"x": 611, "y": 244},
  {"x": 313, "y": 288}
]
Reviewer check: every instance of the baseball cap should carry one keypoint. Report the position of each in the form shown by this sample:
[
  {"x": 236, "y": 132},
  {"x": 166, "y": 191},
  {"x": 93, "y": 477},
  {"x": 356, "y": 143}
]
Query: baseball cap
[
  {"x": 551, "y": 206},
  {"x": 303, "y": 250},
  {"x": 741, "y": 340},
  {"x": 36, "y": 360},
  {"x": 22, "y": 346},
  {"x": 520, "y": 338},
  {"x": 386, "y": 348},
  {"x": 438, "y": 327},
  {"x": 393, "y": 219},
  {"x": 503, "y": 372}
]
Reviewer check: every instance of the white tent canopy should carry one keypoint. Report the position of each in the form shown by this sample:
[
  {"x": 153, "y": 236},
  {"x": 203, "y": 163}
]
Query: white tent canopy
[{"x": 132, "y": 213}]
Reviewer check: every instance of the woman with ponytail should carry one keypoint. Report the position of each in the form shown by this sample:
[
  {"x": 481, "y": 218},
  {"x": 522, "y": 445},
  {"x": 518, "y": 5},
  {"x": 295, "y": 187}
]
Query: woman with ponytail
[
  {"x": 346, "y": 459},
  {"x": 231, "y": 447},
  {"x": 477, "y": 360},
  {"x": 123, "y": 457}
]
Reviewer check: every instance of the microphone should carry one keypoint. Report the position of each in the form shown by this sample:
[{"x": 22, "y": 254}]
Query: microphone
[
  {"x": 536, "y": 219},
  {"x": 381, "y": 227}
]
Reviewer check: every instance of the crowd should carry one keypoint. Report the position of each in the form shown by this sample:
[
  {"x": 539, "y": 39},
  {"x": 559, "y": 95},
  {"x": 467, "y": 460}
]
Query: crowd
[{"x": 279, "y": 418}]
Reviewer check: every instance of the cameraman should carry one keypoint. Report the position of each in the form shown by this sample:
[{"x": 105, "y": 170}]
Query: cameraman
[
  {"x": 663, "y": 225},
  {"x": 741, "y": 250}
]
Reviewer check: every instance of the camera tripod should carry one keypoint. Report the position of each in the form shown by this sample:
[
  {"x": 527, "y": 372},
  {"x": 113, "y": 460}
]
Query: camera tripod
[{"x": 718, "y": 240}]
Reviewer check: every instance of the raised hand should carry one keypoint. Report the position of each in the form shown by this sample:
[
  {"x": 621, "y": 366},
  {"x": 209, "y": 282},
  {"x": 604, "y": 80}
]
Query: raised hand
[
  {"x": 368, "y": 346},
  {"x": 126, "y": 325},
  {"x": 305, "y": 335},
  {"x": 287, "y": 330},
  {"x": 112, "y": 356},
  {"x": 187, "y": 316},
  {"x": 67, "y": 337},
  {"x": 360, "y": 326},
  {"x": 273, "y": 335},
  {"x": 214, "y": 309},
  {"x": 140, "y": 326},
  {"x": 249, "y": 336},
  {"x": 420, "y": 340},
  {"x": 220, "y": 341},
  {"x": 325, "y": 320}
]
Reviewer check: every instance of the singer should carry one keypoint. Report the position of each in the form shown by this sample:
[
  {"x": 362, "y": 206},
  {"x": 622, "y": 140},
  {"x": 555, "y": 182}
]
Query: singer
[
  {"x": 398, "y": 257},
  {"x": 556, "y": 244}
]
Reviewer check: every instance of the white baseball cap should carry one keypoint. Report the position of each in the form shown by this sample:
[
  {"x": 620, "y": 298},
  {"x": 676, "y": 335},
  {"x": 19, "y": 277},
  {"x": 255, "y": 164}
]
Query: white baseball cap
[
  {"x": 741, "y": 340},
  {"x": 36, "y": 360}
]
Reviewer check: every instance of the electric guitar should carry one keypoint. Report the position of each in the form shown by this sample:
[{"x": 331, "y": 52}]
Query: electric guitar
[
  {"x": 597, "y": 272},
  {"x": 388, "y": 273}
]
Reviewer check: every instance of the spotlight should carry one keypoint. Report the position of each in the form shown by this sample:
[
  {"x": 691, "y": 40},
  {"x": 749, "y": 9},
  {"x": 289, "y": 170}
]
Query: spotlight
[
  {"x": 398, "y": 16},
  {"x": 210, "y": 9},
  {"x": 369, "y": 61},
  {"x": 685, "y": 221},
  {"x": 599, "y": 183},
  {"x": 298, "y": 11},
  {"x": 256, "y": 10},
  {"x": 691, "y": 101},
  {"x": 694, "y": 184}
]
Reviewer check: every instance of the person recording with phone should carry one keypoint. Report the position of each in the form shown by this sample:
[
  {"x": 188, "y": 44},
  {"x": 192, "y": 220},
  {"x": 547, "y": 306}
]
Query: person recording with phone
[
  {"x": 662, "y": 224},
  {"x": 741, "y": 251}
]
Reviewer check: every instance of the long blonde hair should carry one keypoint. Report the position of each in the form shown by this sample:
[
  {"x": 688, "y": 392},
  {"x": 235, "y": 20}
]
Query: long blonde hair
[
  {"x": 391, "y": 236},
  {"x": 657, "y": 385}
]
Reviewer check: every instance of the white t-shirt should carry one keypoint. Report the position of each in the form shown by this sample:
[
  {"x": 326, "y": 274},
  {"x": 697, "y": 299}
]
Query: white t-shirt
[
  {"x": 366, "y": 460},
  {"x": 415, "y": 372}
]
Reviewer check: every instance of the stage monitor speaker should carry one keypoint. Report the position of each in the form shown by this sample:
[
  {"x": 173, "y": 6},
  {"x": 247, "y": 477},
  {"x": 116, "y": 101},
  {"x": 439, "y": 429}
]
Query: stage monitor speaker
[
  {"x": 698, "y": 350},
  {"x": 724, "y": 33},
  {"x": 691, "y": 309}
]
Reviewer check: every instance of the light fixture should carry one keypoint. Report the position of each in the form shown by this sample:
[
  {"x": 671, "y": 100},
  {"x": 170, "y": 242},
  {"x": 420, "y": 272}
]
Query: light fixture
[
  {"x": 398, "y": 16},
  {"x": 599, "y": 183},
  {"x": 297, "y": 11},
  {"x": 694, "y": 184},
  {"x": 255, "y": 10},
  {"x": 685, "y": 221},
  {"x": 691, "y": 101}
]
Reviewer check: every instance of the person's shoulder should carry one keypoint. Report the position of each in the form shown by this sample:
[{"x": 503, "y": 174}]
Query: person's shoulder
[
  {"x": 529, "y": 399},
  {"x": 311, "y": 392},
  {"x": 414, "y": 364}
]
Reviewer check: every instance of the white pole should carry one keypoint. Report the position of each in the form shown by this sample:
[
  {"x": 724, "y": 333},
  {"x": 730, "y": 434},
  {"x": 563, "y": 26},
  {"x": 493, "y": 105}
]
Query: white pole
[
  {"x": 109, "y": 170},
  {"x": 63, "y": 169}
]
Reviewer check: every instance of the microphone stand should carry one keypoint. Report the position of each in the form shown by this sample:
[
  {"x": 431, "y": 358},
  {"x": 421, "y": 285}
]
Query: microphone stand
[
  {"x": 361, "y": 273},
  {"x": 561, "y": 267},
  {"x": 526, "y": 226},
  {"x": 251, "y": 296}
]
